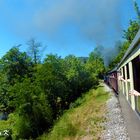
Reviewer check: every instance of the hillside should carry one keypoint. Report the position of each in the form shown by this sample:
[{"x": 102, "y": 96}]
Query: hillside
[{"x": 84, "y": 119}]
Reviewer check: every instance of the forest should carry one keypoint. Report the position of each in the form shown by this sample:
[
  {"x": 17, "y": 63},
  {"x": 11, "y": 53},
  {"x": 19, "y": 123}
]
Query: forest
[{"x": 34, "y": 94}]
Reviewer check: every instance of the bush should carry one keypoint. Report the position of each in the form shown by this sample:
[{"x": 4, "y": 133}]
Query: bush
[{"x": 77, "y": 103}]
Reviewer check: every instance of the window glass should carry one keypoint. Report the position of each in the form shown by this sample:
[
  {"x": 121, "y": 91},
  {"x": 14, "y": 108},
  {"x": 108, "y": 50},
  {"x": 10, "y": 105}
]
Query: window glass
[
  {"x": 124, "y": 88},
  {"x": 127, "y": 69},
  {"x": 136, "y": 73},
  {"x": 123, "y": 73},
  {"x": 138, "y": 104},
  {"x": 129, "y": 97}
]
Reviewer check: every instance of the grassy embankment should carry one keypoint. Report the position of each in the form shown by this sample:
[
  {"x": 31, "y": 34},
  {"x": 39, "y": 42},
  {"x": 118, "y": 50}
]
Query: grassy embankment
[{"x": 83, "y": 120}]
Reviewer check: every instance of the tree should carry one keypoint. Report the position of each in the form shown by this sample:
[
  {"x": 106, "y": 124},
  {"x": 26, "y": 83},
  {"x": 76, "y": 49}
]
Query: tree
[
  {"x": 79, "y": 79},
  {"x": 137, "y": 11},
  {"x": 33, "y": 112},
  {"x": 95, "y": 63},
  {"x": 53, "y": 83},
  {"x": 37, "y": 98},
  {"x": 132, "y": 30},
  {"x": 129, "y": 35},
  {"x": 35, "y": 50},
  {"x": 123, "y": 47},
  {"x": 16, "y": 65},
  {"x": 4, "y": 98},
  {"x": 134, "y": 26}
]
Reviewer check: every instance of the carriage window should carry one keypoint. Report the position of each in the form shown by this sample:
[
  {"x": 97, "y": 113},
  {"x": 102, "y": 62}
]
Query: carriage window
[
  {"x": 138, "y": 104},
  {"x": 123, "y": 73},
  {"x": 136, "y": 73},
  {"x": 127, "y": 69},
  {"x": 129, "y": 88},
  {"x": 120, "y": 72}
]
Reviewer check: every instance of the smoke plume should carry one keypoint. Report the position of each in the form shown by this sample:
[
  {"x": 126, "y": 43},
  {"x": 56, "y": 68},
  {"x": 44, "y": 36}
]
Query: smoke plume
[{"x": 96, "y": 20}]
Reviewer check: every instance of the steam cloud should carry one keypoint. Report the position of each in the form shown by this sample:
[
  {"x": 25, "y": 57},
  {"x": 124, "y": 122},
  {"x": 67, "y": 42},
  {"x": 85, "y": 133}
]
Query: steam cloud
[{"x": 96, "y": 20}]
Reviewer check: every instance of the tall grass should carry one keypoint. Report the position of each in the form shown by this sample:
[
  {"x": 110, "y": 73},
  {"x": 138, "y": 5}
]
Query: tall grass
[{"x": 83, "y": 120}]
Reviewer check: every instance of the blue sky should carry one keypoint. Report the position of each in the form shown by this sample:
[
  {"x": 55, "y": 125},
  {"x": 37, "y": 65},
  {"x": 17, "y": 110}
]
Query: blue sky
[{"x": 64, "y": 26}]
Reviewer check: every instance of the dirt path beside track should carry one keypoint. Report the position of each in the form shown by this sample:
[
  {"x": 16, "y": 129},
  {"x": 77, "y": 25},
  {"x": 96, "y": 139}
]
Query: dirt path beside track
[{"x": 115, "y": 126}]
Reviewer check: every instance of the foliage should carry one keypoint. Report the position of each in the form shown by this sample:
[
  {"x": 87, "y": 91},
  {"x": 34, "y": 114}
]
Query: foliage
[
  {"x": 137, "y": 11},
  {"x": 33, "y": 111},
  {"x": 132, "y": 30},
  {"x": 16, "y": 65},
  {"x": 38, "y": 93},
  {"x": 78, "y": 77},
  {"x": 123, "y": 47},
  {"x": 129, "y": 35},
  {"x": 78, "y": 102},
  {"x": 75, "y": 123},
  {"x": 35, "y": 50},
  {"x": 95, "y": 64}
]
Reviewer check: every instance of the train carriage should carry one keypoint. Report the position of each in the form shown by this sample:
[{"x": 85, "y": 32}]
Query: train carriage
[
  {"x": 112, "y": 79},
  {"x": 125, "y": 78}
]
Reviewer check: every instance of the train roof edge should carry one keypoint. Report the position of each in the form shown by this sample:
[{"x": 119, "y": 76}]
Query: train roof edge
[
  {"x": 131, "y": 47},
  {"x": 129, "y": 50},
  {"x": 113, "y": 70}
]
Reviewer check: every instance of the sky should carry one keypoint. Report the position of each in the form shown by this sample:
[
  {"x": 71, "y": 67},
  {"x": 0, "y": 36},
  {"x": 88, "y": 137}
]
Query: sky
[{"x": 64, "y": 26}]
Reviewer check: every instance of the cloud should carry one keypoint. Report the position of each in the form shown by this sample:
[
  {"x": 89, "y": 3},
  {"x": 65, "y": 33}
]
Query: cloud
[{"x": 96, "y": 20}]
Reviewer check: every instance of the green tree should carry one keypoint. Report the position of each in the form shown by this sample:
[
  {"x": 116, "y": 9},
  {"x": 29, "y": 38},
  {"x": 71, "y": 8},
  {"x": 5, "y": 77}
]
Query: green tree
[
  {"x": 33, "y": 111},
  {"x": 4, "y": 97},
  {"x": 137, "y": 11},
  {"x": 129, "y": 35},
  {"x": 37, "y": 97},
  {"x": 53, "y": 83},
  {"x": 132, "y": 30},
  {"x": 76, "y": 75},
  {"x": 16, "y": 65},
  {"x": 123, "y": 47},
  {"x": 95, "y": 64},
  {"x": 35, "y": 50}
]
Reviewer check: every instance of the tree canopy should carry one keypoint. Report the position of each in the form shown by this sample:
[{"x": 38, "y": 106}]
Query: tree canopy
[{"x": 35, "y": 94}]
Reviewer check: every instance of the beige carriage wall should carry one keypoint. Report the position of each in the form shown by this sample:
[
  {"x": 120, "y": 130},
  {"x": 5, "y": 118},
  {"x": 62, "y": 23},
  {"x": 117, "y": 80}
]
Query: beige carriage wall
[{"x": 126, "y": 71}]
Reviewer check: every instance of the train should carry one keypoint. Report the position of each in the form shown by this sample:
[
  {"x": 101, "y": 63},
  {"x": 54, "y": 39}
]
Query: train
[
  {"x": 125, "y": 77},
  {"x": 111, "y": 78}
]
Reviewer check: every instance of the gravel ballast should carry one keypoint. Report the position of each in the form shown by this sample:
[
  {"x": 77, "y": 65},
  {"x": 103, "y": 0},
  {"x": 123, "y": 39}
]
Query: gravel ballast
[{"x": 115, "y": 126}]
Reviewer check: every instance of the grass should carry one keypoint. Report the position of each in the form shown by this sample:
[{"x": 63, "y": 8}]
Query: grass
[{"x": 82, "y": 122}]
